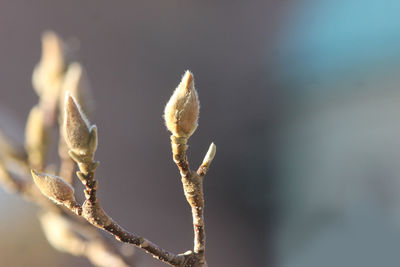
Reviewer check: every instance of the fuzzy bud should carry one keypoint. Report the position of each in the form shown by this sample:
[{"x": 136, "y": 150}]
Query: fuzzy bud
[
  {"x": 54, "y": 187},
  {"x": 47, "y": 75},
  {"x": 210, "y": 155},
  {"x": 36, "y": 137},
  {"x": 75, "y": 127},
  {"x": 182, "y": 110}
]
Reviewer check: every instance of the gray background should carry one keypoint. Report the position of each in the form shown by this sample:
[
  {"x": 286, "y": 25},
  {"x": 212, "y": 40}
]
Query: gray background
[{"x": 135, "y": 53}]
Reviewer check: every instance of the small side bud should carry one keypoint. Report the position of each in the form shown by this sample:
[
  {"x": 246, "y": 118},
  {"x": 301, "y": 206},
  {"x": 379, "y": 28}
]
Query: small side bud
[
  {"x": 54, "y": 187},
  {"x": 75, "y": 127},
  {"x": 182, "y": 110},
  {"x": 93, "y": 139},
  {"x": 208, "y": 158}
]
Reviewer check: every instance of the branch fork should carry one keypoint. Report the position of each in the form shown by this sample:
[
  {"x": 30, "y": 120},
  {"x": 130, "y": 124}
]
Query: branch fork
[{"x": 181, "y": 116}]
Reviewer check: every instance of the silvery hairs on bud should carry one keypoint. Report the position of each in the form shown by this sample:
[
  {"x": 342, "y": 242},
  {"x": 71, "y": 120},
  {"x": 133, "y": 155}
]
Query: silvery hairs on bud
[
  {"x": 54, "y": 187},
  {"x": 76, "y": 126},
  {"x": 182, "y": 110}
]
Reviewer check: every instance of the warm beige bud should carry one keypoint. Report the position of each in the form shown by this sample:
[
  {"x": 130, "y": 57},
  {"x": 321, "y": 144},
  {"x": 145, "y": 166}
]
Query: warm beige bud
[
  {"x": 36, "y": 137},
  {"x": 53, "y": 51},
  {"x": 54, "y": 187},
  {"x": 75, "y": 127},
  {"x": 182, "y": 110},
  {"x": 47, "y": 75}
]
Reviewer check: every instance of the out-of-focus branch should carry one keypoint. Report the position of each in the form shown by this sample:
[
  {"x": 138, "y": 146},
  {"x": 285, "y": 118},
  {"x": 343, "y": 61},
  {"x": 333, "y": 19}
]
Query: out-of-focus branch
[
  {"x": 82, "y": 141},
  {"x": 12, "y": 184},
  {"x": 181, "y": 115},
  {"x": 51, "y": 76},
  {"x": 71, "y": 237},
  {"x": 10, "y": 150}
]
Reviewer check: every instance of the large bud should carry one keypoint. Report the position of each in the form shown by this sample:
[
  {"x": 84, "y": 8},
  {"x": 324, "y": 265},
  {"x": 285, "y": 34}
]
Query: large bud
[
  {"x": 80, "y": 137},
  {"x": 182, "y": 110}
]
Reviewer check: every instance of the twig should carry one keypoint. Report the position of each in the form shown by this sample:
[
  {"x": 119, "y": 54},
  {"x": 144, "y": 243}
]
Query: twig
[
  {"x": 79, "y": 240},
  {"x": 92, "y": 211},
  {"x": 181, "y": 115},
  {"x": 15, "y": 160},
  {"x": 193, "y": 188},
  {"x": 11, "y": 184}
]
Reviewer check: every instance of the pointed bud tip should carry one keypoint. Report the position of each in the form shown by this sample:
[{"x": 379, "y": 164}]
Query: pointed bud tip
[
  {"x": 188, "y": 80},
  {"x": 213, "y": 147},
  {"x": 49, "y": 34},
  {"x": 68, "y": 96},
  {"x": 93, "y": 128},
  {"x": 182, "y": 110},
  {"x": 76, "y": 126},
  {"x": 51, "y": 43},
  {"x": 72, "y": 106},
  {"x": 34, "y": 172},
  {"x": 53, "y": 50},
  {"x": 67, "y": 99},
  {"x": 210, "y": 154},
  {"x": 93, "y": 141},
  {"x": 53, "y": 187}
]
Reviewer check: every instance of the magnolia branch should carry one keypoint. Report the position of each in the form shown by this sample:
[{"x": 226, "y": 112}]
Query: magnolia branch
[
  {"x": 181, "y": 115},
  {"x": 52, "y": 76}
]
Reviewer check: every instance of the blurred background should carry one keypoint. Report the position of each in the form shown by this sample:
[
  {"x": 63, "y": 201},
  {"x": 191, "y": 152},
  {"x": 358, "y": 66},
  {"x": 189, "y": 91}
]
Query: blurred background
[{"x": 300, "y": 97}]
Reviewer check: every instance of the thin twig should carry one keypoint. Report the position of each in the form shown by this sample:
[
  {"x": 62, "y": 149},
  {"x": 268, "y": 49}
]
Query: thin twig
[
  {"x": 94, "y": 214},
  {"x": 12, "y": 184},
  {"x": 193, "y": 189}
]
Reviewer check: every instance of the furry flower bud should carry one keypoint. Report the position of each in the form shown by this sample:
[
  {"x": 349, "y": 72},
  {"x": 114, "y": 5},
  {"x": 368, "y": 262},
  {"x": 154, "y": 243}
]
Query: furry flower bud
[
  {"x": 54, "y": 187},
  {"x": 210, "y": 155},
  {"x": 182, "y": 110},
  {"x": 48, "y": 74},
  {"x": 36, "y": 137},
  {"x": 75, "y": 127}
]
